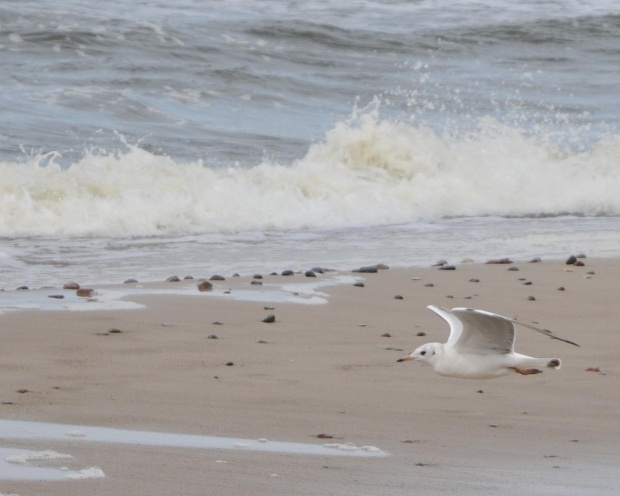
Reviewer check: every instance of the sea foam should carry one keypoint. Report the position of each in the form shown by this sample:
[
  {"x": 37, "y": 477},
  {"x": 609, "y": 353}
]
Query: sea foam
[{"x": 367, "y": 171}]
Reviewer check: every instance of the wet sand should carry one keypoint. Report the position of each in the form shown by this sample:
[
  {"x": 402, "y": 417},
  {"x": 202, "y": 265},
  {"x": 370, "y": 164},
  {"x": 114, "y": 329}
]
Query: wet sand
[{"x": 325, "y": 369}]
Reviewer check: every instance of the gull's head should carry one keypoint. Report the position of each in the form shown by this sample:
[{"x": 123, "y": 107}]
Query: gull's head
[{"x": 427, "y": 353}]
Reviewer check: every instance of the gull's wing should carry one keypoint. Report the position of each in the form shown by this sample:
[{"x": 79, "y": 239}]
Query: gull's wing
[{"x": 477, "y": 331}]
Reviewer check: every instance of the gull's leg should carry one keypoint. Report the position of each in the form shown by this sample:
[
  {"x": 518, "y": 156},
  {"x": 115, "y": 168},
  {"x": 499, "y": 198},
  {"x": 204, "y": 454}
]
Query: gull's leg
[{"x": 521, "y": 371}]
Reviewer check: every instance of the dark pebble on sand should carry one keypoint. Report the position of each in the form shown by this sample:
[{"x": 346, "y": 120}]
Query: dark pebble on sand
[
  {"x": 261, "y": 341},
  {"x": 212, "y": 336},
  {"x": 447, "y": 267},
  {"x": 310, "y": 273},
  {"x": 229, "y": 364},
  {"x": 421, "y": 333},
  {"x": 318, "y": 270},
  {"x": 58, "y": 297},
  {"x": 593, "y": 369},
  {"x": 514, "y": 269},
  {"x": 22, "y": 391},
  {"x": 527, "y": 283},
  {"x": 288, "y": 273},
  {"x": 561, "y": 288},
  {"x": 217, "y": 277},
  {"x": 398, "y": 297},
  {"x": 257, "y": 276},
  {"x": 85, "y": 292},
  {"x": 270, "y": 319},
  {"x": 325, "y": 436},
  {"x": 359, "y": 285},
  {"x": 173, "y": 279},
  {"x": 71, "y": 285},
  {"x": 531, "y": 298},
  {"x": 473, "y": 279},
  {"x": 205, "y": 286},
  {"x": 130, "y": 281},
  {"x": 256, "y": 283},
  {"x": 22, "y": 288},
  {"x": 579, "y": 263},
  {"x": 386, "y": 335},
  {"x": 369, "y": 269},
  {"x": 429, "y": 285},
  {"x": 480, "y": 391},
  {"x": 535, "y": 260},
  {"x": 500, "y": 261},
  {"x": 571, "y": 260},
  {"x": 217, "y": 322}
]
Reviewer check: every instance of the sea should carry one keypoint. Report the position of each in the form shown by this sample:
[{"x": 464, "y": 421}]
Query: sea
[{"x": 197, "y": 137}]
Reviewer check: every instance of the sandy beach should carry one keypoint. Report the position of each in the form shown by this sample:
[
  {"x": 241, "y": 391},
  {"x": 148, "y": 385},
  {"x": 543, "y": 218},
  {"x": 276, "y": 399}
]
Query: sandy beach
[{"x": 326, "y": 368}]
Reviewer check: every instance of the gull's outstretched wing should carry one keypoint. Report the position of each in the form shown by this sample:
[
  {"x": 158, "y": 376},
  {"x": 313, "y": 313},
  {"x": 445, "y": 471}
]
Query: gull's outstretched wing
[{"x": 477, "y": 331}]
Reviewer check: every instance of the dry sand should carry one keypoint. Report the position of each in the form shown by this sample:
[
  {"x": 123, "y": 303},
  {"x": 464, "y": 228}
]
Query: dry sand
[{"x": 323, "y": 370}]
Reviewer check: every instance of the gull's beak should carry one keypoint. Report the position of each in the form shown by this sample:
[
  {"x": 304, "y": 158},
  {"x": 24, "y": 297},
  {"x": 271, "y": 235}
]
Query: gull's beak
[{"x": 405, "y": 359}]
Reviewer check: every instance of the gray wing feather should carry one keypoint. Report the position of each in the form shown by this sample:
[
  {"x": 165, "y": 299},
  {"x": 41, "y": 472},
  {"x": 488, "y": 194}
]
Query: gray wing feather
[{"x": 484, "y": 333}]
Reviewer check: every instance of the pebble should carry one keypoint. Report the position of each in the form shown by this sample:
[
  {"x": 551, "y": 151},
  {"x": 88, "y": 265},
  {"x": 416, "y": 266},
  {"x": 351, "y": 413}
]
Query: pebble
[
  {"x": 359, "y": 285},
  {"x": 480, "y": 391},
  {"x": 217, "y": 322},
  {"x": 257, "y": 276},
  {"x": 561, "y": 288},
  {"x": 421, "y": 333},
  {"x": 71, "y": 285},
  {"x": 22, "y": 288},
  {"x": 473, "y": 279},
  {"x": 500, "y": 261},
  {"x": 310, "y": 273},
  {"x": 527, "y": 283},
  {"x": 579, "y": 263},
  {"x": 571, "y": 260},
  {"x": 114, "y": 331},
  {"x": 535, "y": 260},
  {"x": 593, "y": 369},
  {"x": 288, "y": 273},
  {"x": 22, "y": 391},
  {"x": 398, "y": 297},
  {"x": 447, "y": 267},
  {"x": 270, "y": 319},
  {"x": 325, "y": 436},
  {"x": 318, "y": 270},
  {"x": 514, "y": 269},
  {"x": 212, "y": 336},
  {"x": 256, "y": 283},
  {"x": 582, "y": 255},
  {"x": 58, "y": 297},
  {"x": 386, "y": 335},
  {"x": 429, "y": 285},
  {"x": 369, "y": 269},
  {"x": 261, "y": 341},
  {"x": 229, "y": 364},
  {"x": 217, "y": 277},
  {"x": 531, "y": 298},
  {"x": 205, "y": 286},
  {"x": 268, "y": 308},
  {"x": 130, "y": 281},
  {"x": 188, "y": 278},
  {"x": 85, "y": 292},
  {"x": 173, "y": 279}
]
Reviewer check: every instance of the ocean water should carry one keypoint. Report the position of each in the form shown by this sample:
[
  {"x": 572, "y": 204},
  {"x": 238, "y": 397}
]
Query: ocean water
[{"x": 200, "y": 137}]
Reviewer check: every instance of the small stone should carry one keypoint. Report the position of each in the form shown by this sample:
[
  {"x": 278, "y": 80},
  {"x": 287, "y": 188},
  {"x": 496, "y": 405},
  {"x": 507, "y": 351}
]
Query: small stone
[
  {"x": 429, "y": 285},
  {"x": 217, "y": 277},
  {"x": 22, "y": 391},
  {"x": 22, "y": 288},
  {"x": 579, "y": 263},
  {"x": 450, "y": 296},
  {"x": 212, "y": 336},
  {"x": 318, "y": 270},
  {"x": 500, "y": 261},
  {"x": 6, "y": 403},
  {"x": 217, "y": 322},
  {"x": 85, "y": 292},
  {"x": 325, "y": 436},
  {"x": 561, "y": 288},
  {"x": 369, "y": 269},
  {"x": 535, "y": 260},
  {"x": 382, "y": 266},
  {"x": 269, "y": 308},
  {"x": 205, "y": 286},
  {"x": 480, "y": 391},
  {"x": 229, "y": 364},
  {"x": 398, "y": 297},
  {"x": 571, "y": 260},
  {"x": 514, "y": 269},
  {"x": 386, "y": 335},
  {"x": 188, "y": 278},
  {"x": 590, "y": 273},
  {"x": 359, "y": 285},
  {"x": 474, "y": 279},
  {"x": 236, "y": 274},
  {"x": 114, "y": 331},
  {"x": 58, "y": 297},
  {"x": 257, "y": 276},
  {"x": 421, "y": 333},
  {"x": 593, "y": 369},
  {"x": 531, "y": 298},
  {"x": 256, "y": 283},
  {"x": 527, "y": 283},
  {"x": 261, "y": 341},
  {"x": 310, "y": 273},
  {"x": 270, "y": 319},
  {"x": 273, "y": 273},
  {"x": 582, "y": 255},
  {"x": 130, "y": 281},
  {"x": 173, "y": 279},
  {"x": 288, "y": 273},
  {"x": 447, "y": 267},
  {"x": 71, "y": 285}
]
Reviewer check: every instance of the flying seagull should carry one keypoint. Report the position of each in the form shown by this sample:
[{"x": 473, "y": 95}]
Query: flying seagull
[{"x": 480, "y": 346}]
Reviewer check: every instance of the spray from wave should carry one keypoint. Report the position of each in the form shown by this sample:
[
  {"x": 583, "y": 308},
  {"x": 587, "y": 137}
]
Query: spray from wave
[{"x": 368, "y": 171}]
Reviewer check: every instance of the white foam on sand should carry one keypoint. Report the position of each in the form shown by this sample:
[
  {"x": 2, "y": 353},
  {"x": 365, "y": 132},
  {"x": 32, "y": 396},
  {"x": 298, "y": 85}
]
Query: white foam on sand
[
  {"x": 15, "y": 429},
  {"x": 119, "y": 298},
  {"x": 15, "y": 464}
]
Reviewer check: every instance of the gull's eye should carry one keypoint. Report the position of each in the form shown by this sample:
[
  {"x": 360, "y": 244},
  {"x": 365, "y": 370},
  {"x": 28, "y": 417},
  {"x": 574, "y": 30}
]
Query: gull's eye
[{"x": 423, "y": 353}]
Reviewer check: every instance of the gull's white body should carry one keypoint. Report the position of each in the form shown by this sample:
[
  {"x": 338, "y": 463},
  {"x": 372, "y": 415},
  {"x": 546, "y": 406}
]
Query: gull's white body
[{"x": 480, "y": 346}]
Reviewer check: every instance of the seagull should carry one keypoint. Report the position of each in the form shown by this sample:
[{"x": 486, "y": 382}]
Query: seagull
[{"x": 480, "y": 346}]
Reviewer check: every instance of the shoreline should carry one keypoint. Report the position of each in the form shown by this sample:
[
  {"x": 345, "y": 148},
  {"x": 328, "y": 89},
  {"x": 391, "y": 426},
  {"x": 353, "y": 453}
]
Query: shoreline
[{"x": 327, "y": 369}]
